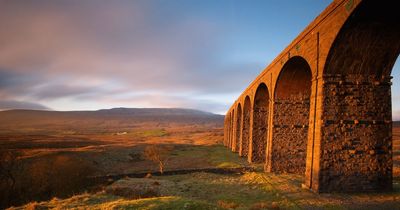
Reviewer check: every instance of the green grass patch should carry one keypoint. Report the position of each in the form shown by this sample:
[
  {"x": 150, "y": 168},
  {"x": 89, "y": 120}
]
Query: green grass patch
[
  {"x": 217, "y": 155},
  {"x": 105, "y": 201},
  {"x": 165, "y": 203},
  {"x": 149, "y": 133},
  {"x": 225, "y": 191},
  {"x": 222, "y": 157}
]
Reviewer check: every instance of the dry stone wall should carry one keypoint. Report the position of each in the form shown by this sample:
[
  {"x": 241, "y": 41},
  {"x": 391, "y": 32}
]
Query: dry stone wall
[
  {"x": 260, "y": 133},
  {"x": 245, "y": 133},
  {"x": 238, "y": 131},
  {"x": 356, "y": 134},
  {"x": 289, "y": 141}
]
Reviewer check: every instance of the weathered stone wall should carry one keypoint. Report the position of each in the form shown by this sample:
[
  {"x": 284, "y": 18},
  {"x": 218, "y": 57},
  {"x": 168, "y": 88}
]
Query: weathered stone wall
[
  {"x": 356, "y": 135},
  {"x": 289, "y": 141},
  {"x": 245, "y": 132},
  {"x": 232, "y": 130},
  {"x": 226, "y": 134},
  {"x": 229, "y": 130},
  {"x": 238, "y": 129},
  {"x": 260, "y": 133}
]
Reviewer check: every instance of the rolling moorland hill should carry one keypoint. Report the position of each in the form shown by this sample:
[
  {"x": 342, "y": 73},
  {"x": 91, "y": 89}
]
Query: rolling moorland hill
[{"x": 121, "y": 115}]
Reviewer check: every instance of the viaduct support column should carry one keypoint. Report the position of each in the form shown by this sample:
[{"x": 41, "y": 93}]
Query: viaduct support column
[
  {"x": 226, "y": 136},
  {"x": 250, "y": 152},
  {"x": 267, "y": 165},
  {"x": 229, "y": 130},
  {"x": 311, "y": 180},
  {"x": 234, "y": 130},
  {"x": 352, "y": 147},
  {"x": 241, "y": 133}
]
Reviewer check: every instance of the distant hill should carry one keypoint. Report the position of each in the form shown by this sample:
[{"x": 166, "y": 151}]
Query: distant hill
[
  {"x": 154, "y": 111},
  {"x": 25, "y": 118}
]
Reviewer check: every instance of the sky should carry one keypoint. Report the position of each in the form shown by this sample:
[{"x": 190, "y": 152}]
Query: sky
[{"x": 95, "y": 54}]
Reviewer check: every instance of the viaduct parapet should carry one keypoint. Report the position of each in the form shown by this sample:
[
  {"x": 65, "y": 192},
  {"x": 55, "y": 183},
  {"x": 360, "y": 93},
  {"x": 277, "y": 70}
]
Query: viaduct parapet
[{"x": 322, "y": 108}]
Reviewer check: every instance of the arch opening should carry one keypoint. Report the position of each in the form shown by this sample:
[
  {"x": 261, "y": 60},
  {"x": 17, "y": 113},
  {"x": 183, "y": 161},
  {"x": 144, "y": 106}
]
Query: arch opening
[
  {"x": 357, "y": 101},
  {"x": 291, "y": 117},
  {"x": 246, "y": 127},
  {"x": 260, "y": 124},
  {"x": 238, "y": 128}
]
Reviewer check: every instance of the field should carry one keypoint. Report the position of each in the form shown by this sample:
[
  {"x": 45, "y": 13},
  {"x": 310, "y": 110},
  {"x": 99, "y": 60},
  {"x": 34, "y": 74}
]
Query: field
[{"x": 88, "y": 161}]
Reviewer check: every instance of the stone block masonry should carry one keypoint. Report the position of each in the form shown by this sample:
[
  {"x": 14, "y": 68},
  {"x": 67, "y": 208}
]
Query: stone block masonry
[{"x": 322, "y": 107}]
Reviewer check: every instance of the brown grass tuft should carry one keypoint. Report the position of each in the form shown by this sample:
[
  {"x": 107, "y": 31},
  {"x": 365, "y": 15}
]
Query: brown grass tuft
[
  {"x": 227, "y": 204},
  {"x": 265, "y": 205}
]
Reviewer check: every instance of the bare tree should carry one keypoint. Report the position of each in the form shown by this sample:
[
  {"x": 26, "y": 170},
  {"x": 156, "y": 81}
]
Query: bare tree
[{"x": 157, "y": 154}]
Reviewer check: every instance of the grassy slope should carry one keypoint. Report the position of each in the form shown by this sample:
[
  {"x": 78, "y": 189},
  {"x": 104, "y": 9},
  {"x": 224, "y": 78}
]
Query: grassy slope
[
  {"x": 197, "y": 148},
  {"x": 251, "y": 190}
]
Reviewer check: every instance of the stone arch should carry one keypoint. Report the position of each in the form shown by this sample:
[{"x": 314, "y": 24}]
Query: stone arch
[
  {"x": 246, "y": 127},
  {"x": 368, "y": 42},
  {"x": 356, "y": 134},
  {"x": 291, "y": 117},
  {"x": 260, "y": 124},
  {"x": 238, "y": 127}
]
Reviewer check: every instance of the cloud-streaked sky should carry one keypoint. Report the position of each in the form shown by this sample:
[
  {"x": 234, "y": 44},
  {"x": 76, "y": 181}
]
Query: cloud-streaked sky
[{"x": 93, "y": 54}]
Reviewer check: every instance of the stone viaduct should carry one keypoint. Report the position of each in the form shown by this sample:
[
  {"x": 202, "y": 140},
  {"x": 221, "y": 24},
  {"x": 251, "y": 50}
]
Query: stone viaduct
[{"x": 322, "y": 108}]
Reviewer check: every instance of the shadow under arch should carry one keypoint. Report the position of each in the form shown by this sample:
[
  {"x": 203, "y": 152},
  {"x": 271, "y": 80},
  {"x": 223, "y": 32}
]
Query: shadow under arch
[
  {"x": 291, "y": 117},
  {"x": 356, "y": 134},
  {"x": 260, "y": 125}
]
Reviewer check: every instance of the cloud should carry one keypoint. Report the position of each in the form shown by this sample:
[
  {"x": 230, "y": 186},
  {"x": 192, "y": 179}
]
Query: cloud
[
  {"x": 47, "y": 48},
  {"x": 74, "y": 50},
  {"x": 6, "y": 105}
]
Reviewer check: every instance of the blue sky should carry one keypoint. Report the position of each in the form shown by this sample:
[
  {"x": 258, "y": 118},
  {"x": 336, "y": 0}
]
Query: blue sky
[{"x": 88, "y": 55}]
